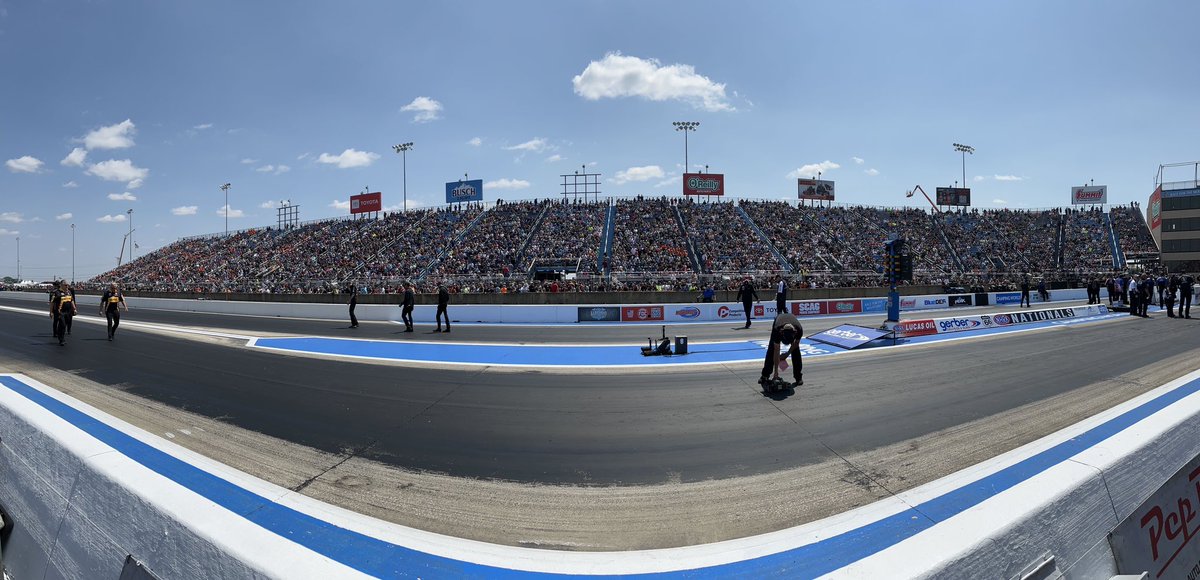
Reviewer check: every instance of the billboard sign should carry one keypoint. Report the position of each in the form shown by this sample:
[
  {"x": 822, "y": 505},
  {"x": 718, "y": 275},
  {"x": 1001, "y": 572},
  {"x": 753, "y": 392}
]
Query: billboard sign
[
  {"x": 1156, "y": 537},
  {"x": 703, "y": 184},
  {"x": 1189, "y": 192},
  {"x": 960, "y": 196},
  {"x": 366, "y": 202},
  {"x": 1089, "y": 195},
  {"x": 818, "y": 189},
  {"x": 460, "y": 191},
  {"x": 599, "y": 314},
  {"x": 641, "y": 313},
  {"x": 1155, "y": 209}
]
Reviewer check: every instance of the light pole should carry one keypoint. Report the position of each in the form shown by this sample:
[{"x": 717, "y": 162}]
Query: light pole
[
  {"x": 19, "y": 260},
  {"x": 685, "y": 126},
  {"x": 403, "y": 149},
  {"x": 130, "y": 212},
  {"x": 225, "y": 188},
  {"x": 72, "y": 254},
  {"x": 964, "y": 149}
]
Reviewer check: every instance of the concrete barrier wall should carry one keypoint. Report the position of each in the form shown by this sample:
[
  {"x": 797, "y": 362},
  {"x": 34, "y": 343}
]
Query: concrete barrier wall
[{"x": 515, "y": 313}]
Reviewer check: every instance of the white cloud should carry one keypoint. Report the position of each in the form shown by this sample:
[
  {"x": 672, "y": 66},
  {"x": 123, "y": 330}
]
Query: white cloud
[
  {"x": 276, "y": 169},
  {"x": 349, "y": 158},
  {"x": 858, "y": 160},
  {"x": 673, "y": 180},
  {"x": 122, "y": 196},
  {"x": 535, "y": 145},
  {"x": 555, "y": 158},
  {"x": 303, "y": 156},
  {"x": 1008, "y": 178},
  {"x": 134, "y": 184},
  {"x": 506, "y": 183},
  {"x": 203, "y": 126},
  {"x": 644, "y": 173},
  {"x": 119, "y": 170},
  {"x": 426, "y": 109},
  {"x": 11, "y": 217},
  {"x": 24, "y": 164},
  {"x": 872, "y": 172},
  {"x": 109, "y": 219},
  {"x": 999, "y": 201},
  {"x": 4, "y": 232},
  {"x": 475, "y": 142},
  {"x": 37, "y": 219},
  {"x": 617, "y": 75},
  {"x": 978, "y": 178},
  {"x": 233, "y": 213},
  {"x": 269, "y": 204},
  {"x": 119, "y": 136},
  {"x": 75, "y": 158},
  {"x": 70, "y": 184},
  {"x": 248, "y": 161},
  {"x": 184, "y": 210},
  {"x": 64, "y": 216},
  {"x": 337, "y": 204},
  {"x": 812, "y": 169}
]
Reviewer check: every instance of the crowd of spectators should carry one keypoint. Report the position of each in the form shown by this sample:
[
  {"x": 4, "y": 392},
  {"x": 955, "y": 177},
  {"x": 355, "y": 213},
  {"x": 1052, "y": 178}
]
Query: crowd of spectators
[
  {"x": 1132, "y": 234},
  {"x": 724, "y": 241},
  {"x": 478, "y": 249},
  {"x": 648, "y": 238}
]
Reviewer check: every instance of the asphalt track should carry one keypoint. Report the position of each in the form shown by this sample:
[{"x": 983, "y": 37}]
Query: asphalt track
[{"x": 591, "y": 428}]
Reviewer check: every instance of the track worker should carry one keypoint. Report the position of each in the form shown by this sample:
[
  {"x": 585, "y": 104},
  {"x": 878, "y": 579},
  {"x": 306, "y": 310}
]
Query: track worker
[
  {"x": 746, "y": 293},
  {"x": 1186, "y": 285},
  {"x": 781, "y": 290},
  {"x": 406, "y": 307},
  {"x": 443, "y": 300},
  {"x": 785, "y": 333},
  {"x": 62, "y": 308},
  {"x": 353, "y": 304},
  {"x": 1025, "y": 292},
  {"x": 111, "y": 304}
]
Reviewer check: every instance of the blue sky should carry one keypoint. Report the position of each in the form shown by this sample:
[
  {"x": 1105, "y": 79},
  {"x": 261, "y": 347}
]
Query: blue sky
[{"x": 149, "y": 105}]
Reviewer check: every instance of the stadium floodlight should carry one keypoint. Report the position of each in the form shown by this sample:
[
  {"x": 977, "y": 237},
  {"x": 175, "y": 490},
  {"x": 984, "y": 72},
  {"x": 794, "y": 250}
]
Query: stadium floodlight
[
  {"x": 686, "y": 127},
  {"x": 130, "y": 212},
  {"x": 403, "y": 149},
  {"x": 225, "y": 188},
  {"x": 964, "y": 149}
]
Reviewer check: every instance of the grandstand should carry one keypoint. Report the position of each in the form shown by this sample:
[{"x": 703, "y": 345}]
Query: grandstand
[{"x": 641, "y": 243}]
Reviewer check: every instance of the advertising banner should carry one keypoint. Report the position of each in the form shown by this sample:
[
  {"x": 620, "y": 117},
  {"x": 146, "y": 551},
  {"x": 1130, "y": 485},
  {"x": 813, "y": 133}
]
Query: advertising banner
[
  {"x": 814, "y": 308},
  {"x": 641, "y": 313},
  {"x": 960, "y": 196},
  {"x": 916, "y": 327},
  {"x": 703, "y": 184},
  {"x": 599, "y": 314},
  {"x": 848, "y": 336},
  {"x": 1187, "y": 192},
  {"x": 1156, "y": 537},
  {"x": 1005, "y": 298},
  {"x": 843, "y": 306},
  {"x": 366, "y": 202},
  {"x": 685, "y": 313},
  {"x": 1154, "y": 210},
  {"x": 818, "y": 189},
  {"x": 1089, "y": 195},
  {"x": 460, "y": 191},
  {"x": 923, "y": 302},
  {"x": 959, "y": 300},
  {"x": 874, "y": 305}
]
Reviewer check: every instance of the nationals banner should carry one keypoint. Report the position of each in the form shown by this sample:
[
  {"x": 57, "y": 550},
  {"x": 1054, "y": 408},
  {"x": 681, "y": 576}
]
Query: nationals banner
[
  {"x": 818, "y": 189},
  {"x": 704, "y": 184},
  {"x": 366, "y": 202},
  {"x": 1090, "y": 195},
  {"x": 460, "y": 191}
]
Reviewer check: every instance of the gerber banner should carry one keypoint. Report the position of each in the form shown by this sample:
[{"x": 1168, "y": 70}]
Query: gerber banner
[
  {"x": 704, "y": 184},
  {"x": 460, "y": 191}
]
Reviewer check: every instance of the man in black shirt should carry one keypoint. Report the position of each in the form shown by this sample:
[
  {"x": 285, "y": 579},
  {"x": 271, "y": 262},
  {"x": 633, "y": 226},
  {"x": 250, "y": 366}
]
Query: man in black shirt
[
  {"x": 61, "y": 307},
  {"x": 746, "y": 293},
  {"x": 785, "y": 331},
  {"x": 353, "y": 290},
  {"x": 1025, "y": 292},
  {"x": 111, "y": 304},
  {"x": 443, "y": 300},
  {"x": 1186, "y": 283},
  {"x": 406, "y": 307}
]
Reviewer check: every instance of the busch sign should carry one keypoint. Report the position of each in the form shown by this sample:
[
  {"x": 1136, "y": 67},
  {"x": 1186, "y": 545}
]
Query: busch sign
[
  {"x": 1089, "y": 195},
  {"x": 460, "y": 191},
  {"x": 703, "y": 184}
]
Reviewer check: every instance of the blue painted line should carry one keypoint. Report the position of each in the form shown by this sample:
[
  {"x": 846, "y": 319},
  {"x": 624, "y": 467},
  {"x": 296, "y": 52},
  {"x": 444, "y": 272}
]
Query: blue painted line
[{"x": 377, "y": 557}]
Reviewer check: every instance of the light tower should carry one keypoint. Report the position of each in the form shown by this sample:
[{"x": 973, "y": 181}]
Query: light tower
[
  {"x": 403, "y": 150},
  {"x": 686, "y": 127}
]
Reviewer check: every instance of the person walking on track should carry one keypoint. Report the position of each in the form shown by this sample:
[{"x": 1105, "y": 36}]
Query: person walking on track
[
  {"x": 406, "y": 307},
  {"x": 443, "y": 301},
  {"x": 111, "y": 304},
  {"x": 746, "y": 293}
]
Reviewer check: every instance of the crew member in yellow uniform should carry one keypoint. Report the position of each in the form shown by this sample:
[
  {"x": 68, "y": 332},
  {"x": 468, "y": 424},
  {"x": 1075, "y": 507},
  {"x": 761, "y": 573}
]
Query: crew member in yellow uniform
[{"x": 111, "y": 304}]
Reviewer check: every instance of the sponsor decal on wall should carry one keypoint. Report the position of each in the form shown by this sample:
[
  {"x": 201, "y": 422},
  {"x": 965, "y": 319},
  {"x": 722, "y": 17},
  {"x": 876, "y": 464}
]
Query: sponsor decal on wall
[
  {"x": 874, "y": 304},
  {"x": 808, "y": 308},
  {"x": 916, "y": 328},
  {"x": 1157, "y": 536},
  {"x": 599, "y": 314},
  {"x": 1008, "y": 298},
  {"x": 641, "y": 313},
  {"x": 844, "y": 306},
  {"x": 908, "y": 303},
  {"x": 945, "y": 325},
  {"x": 958, "y": 300},
  {"x": 688, "y": 312}
]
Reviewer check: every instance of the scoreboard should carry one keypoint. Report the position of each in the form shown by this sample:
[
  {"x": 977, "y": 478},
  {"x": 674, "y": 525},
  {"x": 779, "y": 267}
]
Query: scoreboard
[{"x": 960, "y": 196}]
